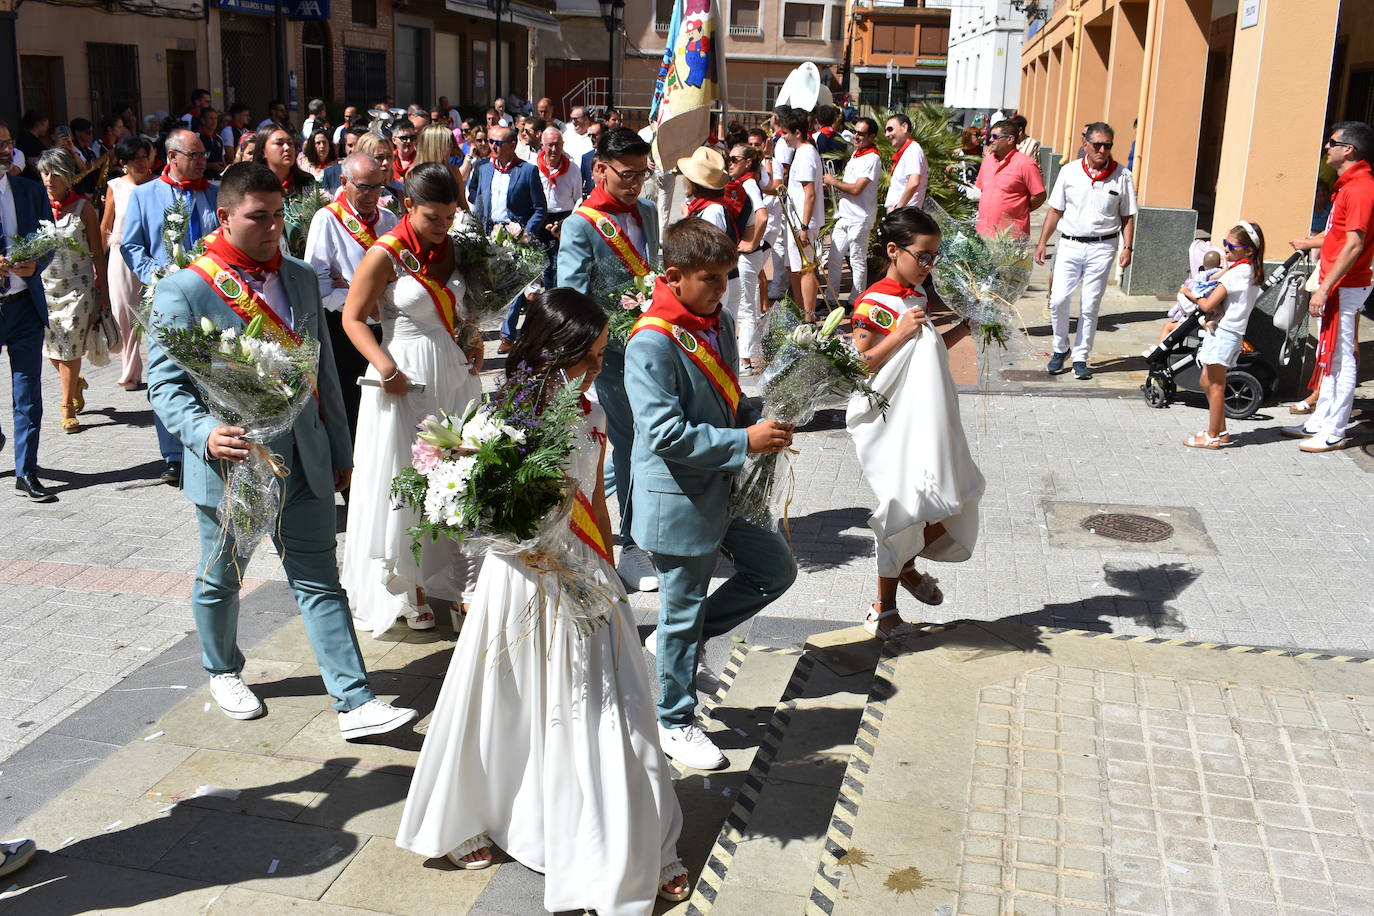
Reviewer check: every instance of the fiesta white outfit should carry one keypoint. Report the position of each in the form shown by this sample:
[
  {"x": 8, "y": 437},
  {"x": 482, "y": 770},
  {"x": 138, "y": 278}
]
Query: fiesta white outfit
[
  {"x": 330, "y": 249},
  {"x": 545, "y": 740},
  {"x": 854, "y": 215},
  {"x": 806, "y": 166},
  {"x": 909, "y": 160},
  {"x": 564, "y": 191},
  {"x": 745, "y": 292},
  {"x": 379, "y": 569},
  {"x": 776, "y": 233},
  {"x": 1095, "y": 210},
  {"x": 1336, "y": 393},
  {"x": 915, "y": 457}
]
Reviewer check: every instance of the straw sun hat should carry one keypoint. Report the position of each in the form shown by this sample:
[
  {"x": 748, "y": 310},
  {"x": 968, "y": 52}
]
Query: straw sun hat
[{"x": 705, "y": 168}]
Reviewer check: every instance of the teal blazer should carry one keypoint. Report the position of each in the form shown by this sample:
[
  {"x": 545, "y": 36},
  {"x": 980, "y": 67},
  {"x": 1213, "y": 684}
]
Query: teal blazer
[
  {"x": 320, "y": 434},
  {"x": 688, "y": 446}
]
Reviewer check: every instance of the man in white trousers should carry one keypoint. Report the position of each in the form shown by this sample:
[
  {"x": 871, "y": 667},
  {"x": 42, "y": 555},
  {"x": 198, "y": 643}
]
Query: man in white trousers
[
  {"x": 856, "y": 210},
  {"x": 1093, "y": 205},
  {"x": 1345, "y": 282}
]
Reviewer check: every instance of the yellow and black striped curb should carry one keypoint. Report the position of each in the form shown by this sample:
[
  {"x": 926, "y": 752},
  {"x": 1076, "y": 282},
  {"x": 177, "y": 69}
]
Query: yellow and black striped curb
[
  {"x": 1195, "y": 644},
  {"x": 732, "y": 831},
  {"x": 838, "y": 836}
]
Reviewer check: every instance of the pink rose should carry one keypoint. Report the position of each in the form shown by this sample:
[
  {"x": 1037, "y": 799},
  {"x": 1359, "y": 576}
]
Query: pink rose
[{"x": 424, "y": 457}]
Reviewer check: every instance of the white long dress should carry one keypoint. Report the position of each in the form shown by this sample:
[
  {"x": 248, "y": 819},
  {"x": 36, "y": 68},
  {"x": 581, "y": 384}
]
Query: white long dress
[
  {"x": 916, "y": 458},
  {"x": 379, "y": 569},
  {"x": 546, "y": 742}
]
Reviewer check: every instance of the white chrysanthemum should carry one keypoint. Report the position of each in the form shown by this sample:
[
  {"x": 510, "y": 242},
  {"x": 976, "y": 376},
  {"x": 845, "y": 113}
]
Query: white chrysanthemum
[
  {"x": 269, "y": 357},
  {"x": 481, "y": 428}
]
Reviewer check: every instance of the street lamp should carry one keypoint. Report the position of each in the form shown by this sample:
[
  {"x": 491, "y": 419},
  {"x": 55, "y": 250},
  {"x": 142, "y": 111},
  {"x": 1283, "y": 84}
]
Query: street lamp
[
  {"x": 612, "y": 16},
  {"x": 497, "y": 7}
]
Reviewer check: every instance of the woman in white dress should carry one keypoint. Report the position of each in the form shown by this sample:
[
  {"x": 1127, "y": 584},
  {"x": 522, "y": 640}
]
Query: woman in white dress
[
  {"x": 408, "y": 281},
  {"x": 914, "y": 456},
  {"x": 543, "y": 742},
  {"x": 76, "y": 298},
  {"x": 135, "y": 155}
]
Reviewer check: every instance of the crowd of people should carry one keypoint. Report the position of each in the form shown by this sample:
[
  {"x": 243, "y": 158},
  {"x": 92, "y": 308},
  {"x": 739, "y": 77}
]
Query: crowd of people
[{"x": 546, "y": 741}]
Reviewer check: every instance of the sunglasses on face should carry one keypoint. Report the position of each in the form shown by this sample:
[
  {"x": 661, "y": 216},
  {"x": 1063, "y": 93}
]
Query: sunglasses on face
[
  {"x": 737, "y": 158},
  {"x": 498, "y": 142},
  {"x": 405, "y": 138},
  {"x": 1330, "y": 143},
  {"x": 1099, "y": 146},
  {"x": 993, "y": 138},
  {"x": 1232, "y": 246}
]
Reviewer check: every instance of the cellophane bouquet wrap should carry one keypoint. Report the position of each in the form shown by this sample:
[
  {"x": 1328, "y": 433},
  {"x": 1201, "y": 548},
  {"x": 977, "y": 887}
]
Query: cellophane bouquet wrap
[
  {"x": 174, "y": 220},
  {"x": 981, "y": 277},
  {"x": 494, "y": 479},
  {"x": 809, "y": 369},
  {"x": 47, "y": 240},
  {"x": 625, "y": 303},
  {"x": 300, "y": 209},
  {"x": 496, "y": 267},
  {"x": 254, "y": 379}
]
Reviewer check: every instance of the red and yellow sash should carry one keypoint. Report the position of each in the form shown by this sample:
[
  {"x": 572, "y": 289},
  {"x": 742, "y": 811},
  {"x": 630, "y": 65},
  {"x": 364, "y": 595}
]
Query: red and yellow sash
[
  {"x": 610, "y": 231},
  {"x": 445, "y": 302},
  {"x": 245, "y": 303},
  {"x": 583, "y": 524},
  {"x": 701, "y": 354},
  {"x": 873, "y": 316},
  {"x": 352, "y": 225}
]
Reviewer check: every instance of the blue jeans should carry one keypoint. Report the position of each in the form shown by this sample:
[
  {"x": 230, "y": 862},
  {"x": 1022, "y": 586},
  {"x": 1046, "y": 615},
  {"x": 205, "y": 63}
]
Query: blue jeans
[
  {"x": 21, "y": 332},
  {"x": 688, "y": 616},
  {"x": 513, "y": 313},
  {"x": 305, "y": 541}
]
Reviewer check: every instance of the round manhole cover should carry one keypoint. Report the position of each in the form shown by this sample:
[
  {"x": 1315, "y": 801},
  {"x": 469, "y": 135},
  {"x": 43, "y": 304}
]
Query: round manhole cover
[{"x": 1123, "y": 526}]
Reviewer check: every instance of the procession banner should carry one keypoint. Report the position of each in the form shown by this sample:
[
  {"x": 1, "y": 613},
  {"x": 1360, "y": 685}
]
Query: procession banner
[{"x": 689, "y": 80}]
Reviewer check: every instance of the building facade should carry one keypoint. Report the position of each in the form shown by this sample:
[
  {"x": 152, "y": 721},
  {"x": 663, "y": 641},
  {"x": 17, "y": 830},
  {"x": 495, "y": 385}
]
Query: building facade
[
  {"x": 898, "y": 51},
  {"x": 985, "y": 39},
  {"x": 1220, "y": 106}
]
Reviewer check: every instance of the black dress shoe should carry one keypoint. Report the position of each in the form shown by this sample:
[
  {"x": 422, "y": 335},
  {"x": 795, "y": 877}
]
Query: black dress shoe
[
  {"x": 29, "y": 485},
  {"x": 171, "y": 474}
]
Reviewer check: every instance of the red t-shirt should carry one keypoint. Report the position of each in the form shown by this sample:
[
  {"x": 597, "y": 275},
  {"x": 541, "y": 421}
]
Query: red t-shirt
[
  {"x": 1007, "y": 186},
  {"x": 1352, "y": 210}
]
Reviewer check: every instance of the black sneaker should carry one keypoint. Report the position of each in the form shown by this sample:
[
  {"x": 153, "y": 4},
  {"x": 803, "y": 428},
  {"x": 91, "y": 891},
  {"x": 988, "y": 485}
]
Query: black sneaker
[
  {"x": 1056, "y": 363},
  {"x": 1081, "y": 371},
  {"x": 171, "y": 474}
]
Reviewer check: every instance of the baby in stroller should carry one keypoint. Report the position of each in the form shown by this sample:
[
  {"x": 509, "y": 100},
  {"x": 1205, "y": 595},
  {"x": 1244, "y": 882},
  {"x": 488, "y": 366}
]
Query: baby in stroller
[{"x": 1199, "y": 284}]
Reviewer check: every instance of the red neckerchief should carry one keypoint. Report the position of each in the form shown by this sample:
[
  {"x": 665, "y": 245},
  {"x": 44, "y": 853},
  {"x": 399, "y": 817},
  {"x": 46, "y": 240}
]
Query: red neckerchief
[
  {"x": 198, "y": 184},
  {"x": 897, "y": 156},
  {"x": 369, "y": 223},
  {"x": 730, "y": 203},
  {"x": 601, "y": 199},
  {"x": 288, "y": 187},
  {"x": 556, "y": 173},
  {"x": 890, "y": 287},
  {"x": 665, "y": 305},
  {"x": 1096, "y": 175},
  {"x": 224, "y": 250},
  {"x": 57, "y": 205},
  {"x": 828, "y": 131},
  {"x": 505, "y": 169},
  {"x": 399, "y": 169},
  {"x": 866, "y": 151},
  {"x": 406, "y": 233}
]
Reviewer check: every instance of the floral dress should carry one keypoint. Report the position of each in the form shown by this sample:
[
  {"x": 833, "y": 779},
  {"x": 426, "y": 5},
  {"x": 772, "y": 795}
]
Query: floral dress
[{"x": 73, "y": 306}]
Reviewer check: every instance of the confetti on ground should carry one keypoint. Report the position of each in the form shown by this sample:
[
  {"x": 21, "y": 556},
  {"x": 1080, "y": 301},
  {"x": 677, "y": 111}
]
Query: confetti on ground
[
  {"x": 113, "y": 826},
  {"x": 154, "y": 735},
  {"x": 67, "y": 841},
  {"x": 206, "y": 708},
  {"x": 208, "y": 791},
  {"x": 741, "y": 732},
  {"x": 706, "y": 783}
]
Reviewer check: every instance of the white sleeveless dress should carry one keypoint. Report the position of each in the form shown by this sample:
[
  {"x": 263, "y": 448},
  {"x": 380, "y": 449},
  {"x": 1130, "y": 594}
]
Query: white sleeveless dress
[
  {"x": 379, "y": 570},
  {"x": 73, "y": 305},
  {"x": 546, "y": 741}
]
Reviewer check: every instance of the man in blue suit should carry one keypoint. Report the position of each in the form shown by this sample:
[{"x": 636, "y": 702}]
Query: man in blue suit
[
  {"x": 589, "y": 157},
  {"x": 610, "y": 238},
  {"x": 505, "y": 189},
  {"x": 243, "y": 275},
  {"x": 23, "y": 316},
  {"x": 143, "y": 248}
]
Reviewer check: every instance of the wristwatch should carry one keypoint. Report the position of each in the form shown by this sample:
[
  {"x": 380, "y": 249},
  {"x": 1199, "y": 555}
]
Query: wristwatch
[{"x": 1128, "y": 247}]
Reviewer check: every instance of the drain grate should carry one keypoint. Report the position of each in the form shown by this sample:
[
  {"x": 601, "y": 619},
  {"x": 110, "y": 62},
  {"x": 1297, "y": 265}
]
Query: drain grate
[{"x": 1124, "y": 526}]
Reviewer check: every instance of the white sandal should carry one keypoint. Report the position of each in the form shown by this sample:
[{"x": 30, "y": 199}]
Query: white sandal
[
  {"x": 1202, "y": 440},
  {"x": 926, "y": 591},
  {"x": 417, "y": 621},
  {"x": 874, "y": 617},
  {"x": 1300, "y": 407},
  {"x": 476, "y": 844},
  {"x": 674, "y": 870}
]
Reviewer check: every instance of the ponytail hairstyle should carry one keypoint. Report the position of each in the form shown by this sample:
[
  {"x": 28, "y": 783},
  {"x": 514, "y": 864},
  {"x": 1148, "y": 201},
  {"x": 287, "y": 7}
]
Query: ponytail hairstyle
[
  {"x": 902, "y": 227},
  {"x": 1253, "y": 236},
  {"x": 561, "y": 325}
]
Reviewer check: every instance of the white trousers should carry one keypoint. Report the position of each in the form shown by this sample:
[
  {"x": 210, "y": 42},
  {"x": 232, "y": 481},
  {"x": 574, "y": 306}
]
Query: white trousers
[
  {"x": 745, "y": 308},
  {"x": 1337, "y": 392},
  {"x": 1085, "y": 264},
  {"x": 849, "y": 239}
]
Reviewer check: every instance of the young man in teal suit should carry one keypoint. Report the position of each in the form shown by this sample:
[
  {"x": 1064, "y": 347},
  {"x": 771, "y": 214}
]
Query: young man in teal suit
[
  {"x": 692, "y": 433},
  {"x": 608, "y": 240},
  {"x": 317, "y": 452}
]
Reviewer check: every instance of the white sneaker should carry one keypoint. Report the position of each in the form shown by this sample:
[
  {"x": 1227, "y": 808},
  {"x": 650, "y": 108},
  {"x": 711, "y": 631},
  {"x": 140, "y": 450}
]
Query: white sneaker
[
  {"x": 707, "y": 681},
  {"x": 690, "y": 747},
  {"x": 636, "y": 570},
  {"x": 372, "y": 718},
  {"x": 234, "y": 698}
]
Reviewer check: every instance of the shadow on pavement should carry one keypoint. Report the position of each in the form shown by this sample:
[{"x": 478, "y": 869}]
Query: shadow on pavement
[
  {"x": 145, "y": 473},
  {"x": 819, "y": 542}
]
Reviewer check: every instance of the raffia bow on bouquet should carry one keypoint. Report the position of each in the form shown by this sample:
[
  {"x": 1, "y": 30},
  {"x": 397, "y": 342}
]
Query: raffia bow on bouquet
[
  {"x": 981, "y": 277},
  {"x": 494, "y": 480},
  {"x": 495, "y": 268},
  {"x": 260, "y": 380},
  {"x": 809, "y": 369}
]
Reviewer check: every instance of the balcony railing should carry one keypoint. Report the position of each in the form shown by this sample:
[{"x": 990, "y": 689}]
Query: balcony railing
[
  {"x": 661, "y": 27},
  {"x": 745, "y": 30}
]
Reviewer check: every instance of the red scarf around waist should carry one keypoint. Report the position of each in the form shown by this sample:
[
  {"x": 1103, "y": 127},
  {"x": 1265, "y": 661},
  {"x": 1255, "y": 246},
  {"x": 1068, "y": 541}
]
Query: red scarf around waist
[{"x": 601, "y": 199}]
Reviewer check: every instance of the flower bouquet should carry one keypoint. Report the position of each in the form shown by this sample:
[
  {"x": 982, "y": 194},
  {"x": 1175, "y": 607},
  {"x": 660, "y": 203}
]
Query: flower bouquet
[
  {"x": 300, "y": 209},
  {"x": 811, "y": 368},
  {"x": 260, "y": 379},
  {"x": 40, "y": 244},
  {"x": 495, "y": 267},
  {"x": 495, "y": 481},
  {"x": 981, "y": 277},
  {"x": 174, "y": 220},
  {"x": 625, "y": 306}
]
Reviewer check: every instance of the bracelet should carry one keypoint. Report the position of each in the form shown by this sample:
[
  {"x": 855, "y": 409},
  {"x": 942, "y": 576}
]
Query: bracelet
[{"x": 392, "y": 375}]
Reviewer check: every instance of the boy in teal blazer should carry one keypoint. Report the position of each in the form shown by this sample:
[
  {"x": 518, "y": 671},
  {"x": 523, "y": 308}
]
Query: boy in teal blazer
[
  {"x": 692, "y": 433},
  {"x": 317, "y": 451}
]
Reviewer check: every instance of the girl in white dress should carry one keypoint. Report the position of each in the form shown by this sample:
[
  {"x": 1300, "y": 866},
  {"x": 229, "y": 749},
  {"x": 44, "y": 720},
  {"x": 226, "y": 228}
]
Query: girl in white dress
[
  {"x": 136, "y": 156},
  {"x": 408, "y": 281},
  {"x": 543, "y": 741},
  {"x": 915, "y": 456}
]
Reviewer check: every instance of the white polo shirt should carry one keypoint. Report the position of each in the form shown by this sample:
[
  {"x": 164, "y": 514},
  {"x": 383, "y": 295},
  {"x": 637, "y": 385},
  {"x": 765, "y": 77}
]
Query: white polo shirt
[
  {"x": 1093, "y": 208},
  {"x": 861, "y": 207},
  {"x": 913, "y": 162}
]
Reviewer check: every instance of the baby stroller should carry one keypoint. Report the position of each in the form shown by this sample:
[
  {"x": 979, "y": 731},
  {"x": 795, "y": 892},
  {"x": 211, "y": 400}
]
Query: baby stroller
[{"x": 1174, "y": 364}]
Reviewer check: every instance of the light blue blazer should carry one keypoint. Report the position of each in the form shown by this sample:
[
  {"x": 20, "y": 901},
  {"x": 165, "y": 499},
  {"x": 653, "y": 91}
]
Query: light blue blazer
[
  {"x": 688, "y": 446},
  {"x": 141, "y": 245},
  {"x": 587, "y": 263},
  {"x": 320, "y": 434}
]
